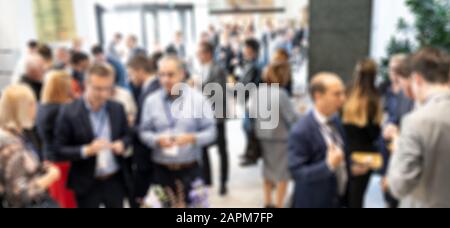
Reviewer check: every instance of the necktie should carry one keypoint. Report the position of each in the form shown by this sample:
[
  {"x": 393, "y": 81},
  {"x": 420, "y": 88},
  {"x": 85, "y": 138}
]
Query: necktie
[{"x": 341, "y": 171}]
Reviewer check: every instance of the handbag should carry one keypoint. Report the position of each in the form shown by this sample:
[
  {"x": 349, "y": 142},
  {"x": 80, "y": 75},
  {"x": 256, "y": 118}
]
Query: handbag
[{"x": 45, "y": 202}]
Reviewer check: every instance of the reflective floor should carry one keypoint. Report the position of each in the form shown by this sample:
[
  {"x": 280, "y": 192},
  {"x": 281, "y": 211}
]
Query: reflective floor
[{"x": 245, "y": 186}]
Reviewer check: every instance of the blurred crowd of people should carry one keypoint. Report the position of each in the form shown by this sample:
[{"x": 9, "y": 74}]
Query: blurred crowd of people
[{"x": 99, "y": 129}]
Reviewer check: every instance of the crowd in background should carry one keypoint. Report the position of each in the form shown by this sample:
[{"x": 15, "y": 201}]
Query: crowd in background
[{"x": 97, "y": 129}]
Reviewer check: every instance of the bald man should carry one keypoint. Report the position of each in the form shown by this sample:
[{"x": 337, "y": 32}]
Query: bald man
[
  {"x": 34, "y": 74},
  {"x": 317, "y": 148},
  {"x": 177, "y": 122}
]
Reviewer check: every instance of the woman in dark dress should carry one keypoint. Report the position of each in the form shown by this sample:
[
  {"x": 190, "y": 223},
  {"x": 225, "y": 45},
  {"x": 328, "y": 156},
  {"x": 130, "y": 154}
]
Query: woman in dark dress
[
  {"x": 362, "y": 118},
  {"x": 57, "y": 91}
]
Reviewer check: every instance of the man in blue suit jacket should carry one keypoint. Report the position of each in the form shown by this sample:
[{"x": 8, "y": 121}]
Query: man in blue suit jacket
[
  {"x": 93, "y": 134},
  {"x": 316, "y": 148}
]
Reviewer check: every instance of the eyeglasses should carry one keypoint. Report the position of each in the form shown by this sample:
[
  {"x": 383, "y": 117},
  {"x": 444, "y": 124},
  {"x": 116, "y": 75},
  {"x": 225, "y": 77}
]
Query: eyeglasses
[
  {"x": 167, "y": 74},
  {"x": 102, "y": 89}
]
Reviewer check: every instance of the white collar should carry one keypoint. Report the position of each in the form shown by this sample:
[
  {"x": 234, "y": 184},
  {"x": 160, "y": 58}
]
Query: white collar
[
  {"x": 322, "y": 119},
  {"x": 207, "y": 65}
]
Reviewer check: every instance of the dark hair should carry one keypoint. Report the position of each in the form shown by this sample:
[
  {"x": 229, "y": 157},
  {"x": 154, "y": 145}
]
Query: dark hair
[
  {"x": 118, "y": 36},
  {"x": 97, "y": 50},
  {"x": 45, "y": 52},
  {"x": 403, "y": 68},
  {"x": 32, "y": 44},
  {"x": 78, "y": 57},
  {"x": 207, "y": 47},
  {"x": 142, "y": 63},
  {"x": 102, "y": 70},
  {"x": 317, "y": 86},
  {"x": 253, "y": 44},
  {"x": 278, "y": 73},
  {"x": 432, "y": 64},
  {"x": 366, "y": 71},
  {"x": 363, "y": 105}
]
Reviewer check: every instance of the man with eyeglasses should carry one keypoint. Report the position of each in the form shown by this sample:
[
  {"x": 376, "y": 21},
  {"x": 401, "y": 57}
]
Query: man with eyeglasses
[
  {"x": 177, "y": 122},
  {"x": 93, "y": 134}
]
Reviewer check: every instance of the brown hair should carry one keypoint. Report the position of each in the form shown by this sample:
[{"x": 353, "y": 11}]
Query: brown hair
[
  {"x": 279, "y": 70},
  {"x": 280, "y": 55},
  {"x": 433, "y": 64},
  {"x": 102, "y": 70},
  {"x": 57, "y": 88},
  {"x": 402, "y": 66},
  {"x": 364, "y": 104},
  {"x": 207, "y": 47},
  {"x": 278, "y": 73},
  {"x": 143, "y": 63}
]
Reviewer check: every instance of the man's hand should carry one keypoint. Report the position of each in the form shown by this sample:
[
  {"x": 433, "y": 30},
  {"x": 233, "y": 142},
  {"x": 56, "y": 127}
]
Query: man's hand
[
  {"x": 118, "y": 148},
  {"x": 96, "y": 146},
  {"x": 384, "y": 185},
  {"x": 52, "y": 171},
  {"x": 335, "y": 157},
  {"x": 185, "y": 140},
  {"x": 166, "y": 142},
  {"x": 360, "y": 169},
  {"x": 390, "y": 132}
]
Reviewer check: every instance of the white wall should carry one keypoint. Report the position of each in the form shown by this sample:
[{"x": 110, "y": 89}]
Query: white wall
[
  {"x": 386, "y": 14},
  {"x": 293, "y": 7},
  {"x": 16, "y": 28}
]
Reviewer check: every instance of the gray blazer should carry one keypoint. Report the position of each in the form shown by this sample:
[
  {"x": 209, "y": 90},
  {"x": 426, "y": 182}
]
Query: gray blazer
[
  {"x": 218, "y": 75},
  {"x": 281, "y": 109},
  {"x": 419, "y": 172}
]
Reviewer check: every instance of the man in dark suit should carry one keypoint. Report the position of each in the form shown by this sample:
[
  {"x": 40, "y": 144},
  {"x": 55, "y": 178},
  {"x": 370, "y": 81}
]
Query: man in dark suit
[
  {"x": 93, "y": 134},
  {"x": 213, "y": 84},
  {"x": 142, "y": 72},
  {"x": 133, "y": 48},
  {"x": 251, "y": 72},
  {"x": 316, "y": 148},
  {"x": 178, "y": 47}
]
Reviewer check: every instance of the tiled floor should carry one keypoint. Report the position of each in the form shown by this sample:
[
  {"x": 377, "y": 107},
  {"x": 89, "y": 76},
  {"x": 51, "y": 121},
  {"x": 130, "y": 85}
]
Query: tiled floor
[{"x": 245, "y": 184}]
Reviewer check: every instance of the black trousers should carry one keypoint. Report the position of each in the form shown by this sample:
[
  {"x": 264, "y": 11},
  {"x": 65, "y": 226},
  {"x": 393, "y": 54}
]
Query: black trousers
[
  {"x": 109, "y": 193},
  {"x": 391, "y": 201},
  {"x": 358, "y": 189},
  {"x": 142, "y": 173},
  {"x": 167, "y": 178},
  {"x": 223, "y": 154}
]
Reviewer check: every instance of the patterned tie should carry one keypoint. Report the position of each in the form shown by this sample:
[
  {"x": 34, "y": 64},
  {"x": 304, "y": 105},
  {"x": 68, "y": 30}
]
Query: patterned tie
[{"x": 341, "y": 171}]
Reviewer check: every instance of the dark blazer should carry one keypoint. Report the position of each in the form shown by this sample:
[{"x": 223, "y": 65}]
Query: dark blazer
[
  {"x": 36, "y": 86},
  {"x": 315, "y": 185},
  {"x": 251, "y": 73},
  {"x": 45, "y": 124},
  {"x": 218, "y": 75},
  {"x": 153, "y": 87},
  {"x": 74, "y": 130},
  {"x": 141, "y": 153}
]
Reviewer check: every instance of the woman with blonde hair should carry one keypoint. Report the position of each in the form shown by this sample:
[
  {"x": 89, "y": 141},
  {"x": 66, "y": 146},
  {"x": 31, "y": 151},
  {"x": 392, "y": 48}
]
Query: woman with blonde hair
[
  {"x": 362, "y": 118},
  {"x": 23, "y": 179},
  {"x": 56, "y": 92}
]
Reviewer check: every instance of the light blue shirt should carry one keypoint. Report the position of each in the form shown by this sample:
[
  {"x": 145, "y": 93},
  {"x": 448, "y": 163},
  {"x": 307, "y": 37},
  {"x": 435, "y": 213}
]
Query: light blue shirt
[
  {"x": 190, "y": 113},
  {"x": 101, "y": 127}
]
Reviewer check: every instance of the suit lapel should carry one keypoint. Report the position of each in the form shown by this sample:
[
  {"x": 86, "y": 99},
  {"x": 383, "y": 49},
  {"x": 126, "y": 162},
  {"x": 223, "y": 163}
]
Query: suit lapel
[
  {"x": 113, "y": 120},
  {"x": 317, "y": 134},
  {"x": 85, "y": 120},
  {"x": 150, "y": 89}
]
